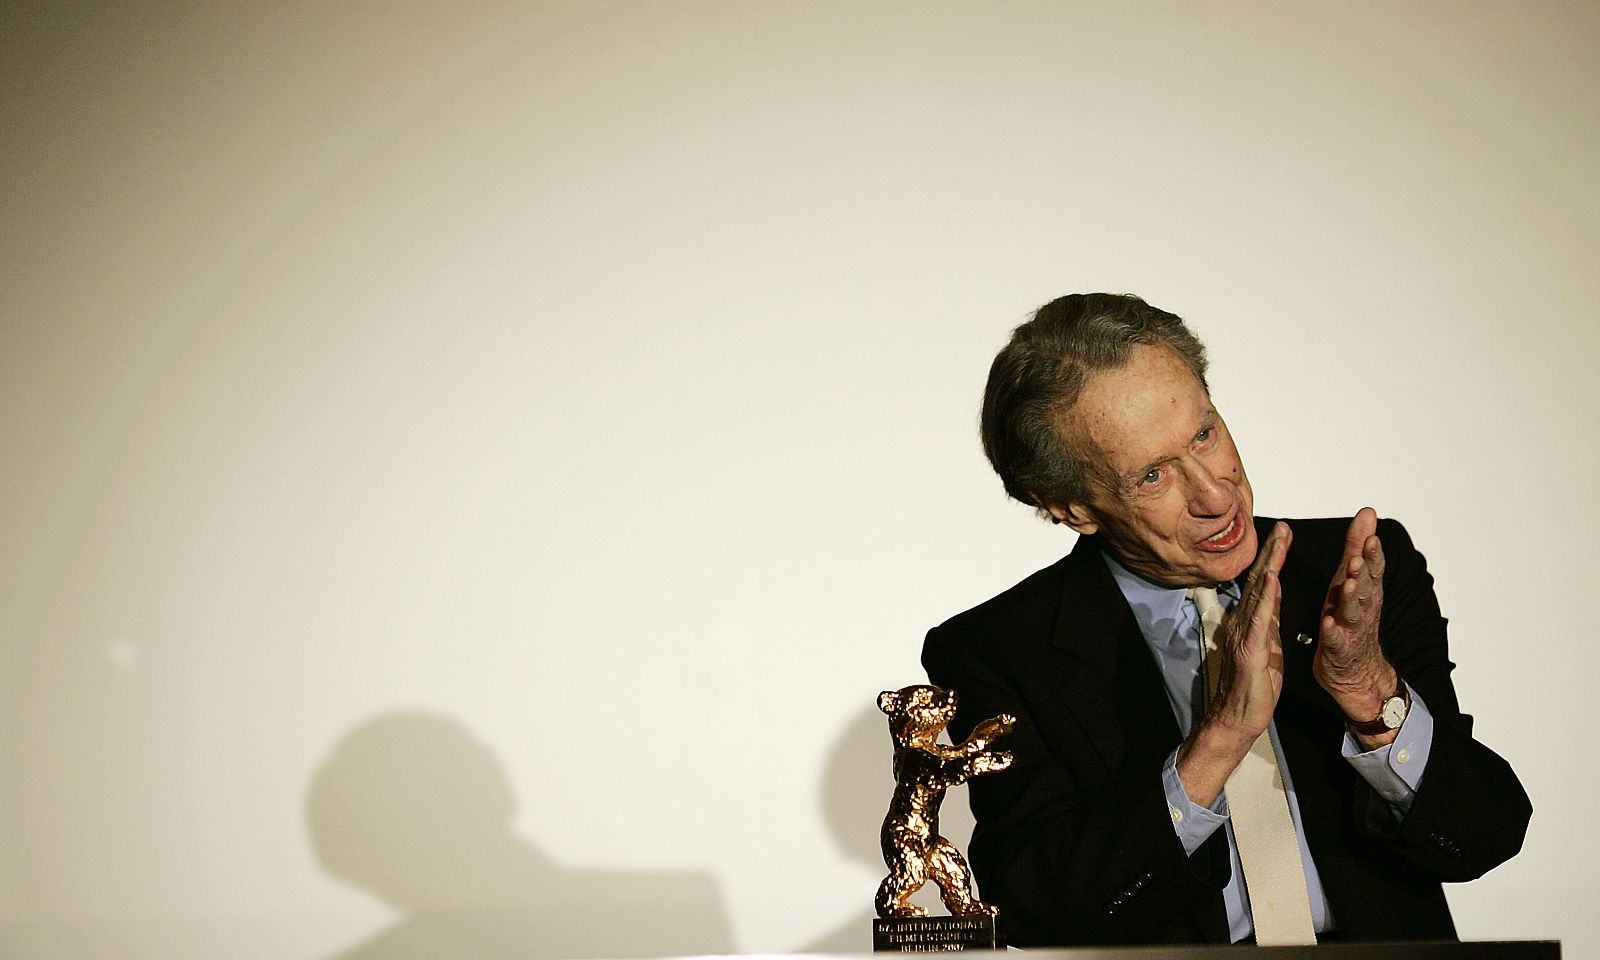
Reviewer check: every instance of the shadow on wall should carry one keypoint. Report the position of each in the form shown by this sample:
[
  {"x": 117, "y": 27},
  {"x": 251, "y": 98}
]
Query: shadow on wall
[
  {"x": 414, "y": 809},
  {"x": 856, "y": 789}
]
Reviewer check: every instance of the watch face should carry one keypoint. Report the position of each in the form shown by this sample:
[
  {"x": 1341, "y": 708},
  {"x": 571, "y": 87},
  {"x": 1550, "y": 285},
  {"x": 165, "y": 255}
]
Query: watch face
[{"x": 1394, "y": 712}]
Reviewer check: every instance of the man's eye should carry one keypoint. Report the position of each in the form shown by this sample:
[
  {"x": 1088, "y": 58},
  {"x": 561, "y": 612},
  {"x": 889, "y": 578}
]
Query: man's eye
[
  {"x": 1151, "y": 478},
  {"x": 1203, "y": 435}
]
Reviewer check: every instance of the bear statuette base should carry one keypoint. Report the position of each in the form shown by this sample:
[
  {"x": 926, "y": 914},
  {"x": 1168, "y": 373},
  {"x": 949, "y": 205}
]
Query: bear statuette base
[{"x": 935, "y": 934}]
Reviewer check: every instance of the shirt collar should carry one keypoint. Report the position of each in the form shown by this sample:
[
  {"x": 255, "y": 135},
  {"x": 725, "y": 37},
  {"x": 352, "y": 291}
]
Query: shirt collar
[{"x": 1158, "y": 608}]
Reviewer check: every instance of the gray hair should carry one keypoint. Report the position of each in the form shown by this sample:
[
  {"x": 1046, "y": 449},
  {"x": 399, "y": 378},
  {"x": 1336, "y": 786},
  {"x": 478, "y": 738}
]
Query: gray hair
[{"x": 1040, "y": 373}]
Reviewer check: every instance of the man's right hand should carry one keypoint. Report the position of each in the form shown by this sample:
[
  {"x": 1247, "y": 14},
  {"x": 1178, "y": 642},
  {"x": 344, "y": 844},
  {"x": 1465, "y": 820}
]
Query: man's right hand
[{"x": 1250, "y": 680}]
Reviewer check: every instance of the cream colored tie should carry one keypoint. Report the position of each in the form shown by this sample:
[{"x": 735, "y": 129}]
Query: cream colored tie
[{"x": 1262, "y": 825}]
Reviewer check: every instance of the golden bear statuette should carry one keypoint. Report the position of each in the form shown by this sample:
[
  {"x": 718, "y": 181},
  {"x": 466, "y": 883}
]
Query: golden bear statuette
[{"x": 924, "y": 769}]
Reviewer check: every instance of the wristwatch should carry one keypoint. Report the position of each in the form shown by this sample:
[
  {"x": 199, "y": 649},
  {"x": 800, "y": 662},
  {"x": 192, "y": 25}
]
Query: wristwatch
[{"x": 1390, "y": 715}]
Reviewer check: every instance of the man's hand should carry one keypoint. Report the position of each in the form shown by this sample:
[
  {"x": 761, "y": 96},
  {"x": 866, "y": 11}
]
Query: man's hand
[
  {"x": 1250, "y": 680},
  {"x": 1349, "y": 662}
]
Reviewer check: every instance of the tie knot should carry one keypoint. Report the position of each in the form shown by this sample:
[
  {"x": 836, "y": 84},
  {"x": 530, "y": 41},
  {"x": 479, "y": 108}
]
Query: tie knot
[{"x": 1205, "y": 599}]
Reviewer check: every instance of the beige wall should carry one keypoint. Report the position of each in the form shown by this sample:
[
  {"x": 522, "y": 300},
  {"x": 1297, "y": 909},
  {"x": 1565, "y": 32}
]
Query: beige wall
[{"x": 490, "y": 456}]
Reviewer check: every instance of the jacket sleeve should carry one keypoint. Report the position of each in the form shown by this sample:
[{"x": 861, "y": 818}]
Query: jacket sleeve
[
  {"x": 1070, "y": 853},
  {"x": 1470, "y": 812}
]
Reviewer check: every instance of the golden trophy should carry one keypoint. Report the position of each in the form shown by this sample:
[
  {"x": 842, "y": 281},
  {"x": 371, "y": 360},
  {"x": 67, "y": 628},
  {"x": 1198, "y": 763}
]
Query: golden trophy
[{"x": 913, "y": 850}]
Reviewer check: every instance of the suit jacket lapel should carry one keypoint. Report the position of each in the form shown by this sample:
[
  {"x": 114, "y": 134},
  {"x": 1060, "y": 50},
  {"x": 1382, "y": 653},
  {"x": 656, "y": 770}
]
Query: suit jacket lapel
[
  {"x": 1114, "y": 688},
  {"x": 1112, "y": 684},
  {"x": 1304, "y": 590}
]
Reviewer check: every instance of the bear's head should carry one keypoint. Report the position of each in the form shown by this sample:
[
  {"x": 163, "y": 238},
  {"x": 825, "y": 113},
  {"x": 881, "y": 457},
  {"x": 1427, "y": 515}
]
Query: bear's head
[{"x": 917, "y": 714}]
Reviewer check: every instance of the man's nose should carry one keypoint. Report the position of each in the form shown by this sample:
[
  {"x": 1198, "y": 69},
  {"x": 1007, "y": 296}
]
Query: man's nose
[{"x": 1209, "y": 495}]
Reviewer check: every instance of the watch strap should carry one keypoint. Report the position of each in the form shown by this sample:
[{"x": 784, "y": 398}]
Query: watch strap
[{"x": 1376, "y": 726}]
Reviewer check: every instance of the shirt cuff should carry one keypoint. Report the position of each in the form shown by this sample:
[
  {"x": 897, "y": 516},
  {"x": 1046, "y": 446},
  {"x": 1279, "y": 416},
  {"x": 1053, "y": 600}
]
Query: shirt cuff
[
  {"x": 1395, "y": 769},
  {"x": 1192, "y": 823}
]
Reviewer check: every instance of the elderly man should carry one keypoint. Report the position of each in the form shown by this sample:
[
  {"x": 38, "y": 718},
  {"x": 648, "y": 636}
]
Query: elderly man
[{"x": 1229, "y": 728}]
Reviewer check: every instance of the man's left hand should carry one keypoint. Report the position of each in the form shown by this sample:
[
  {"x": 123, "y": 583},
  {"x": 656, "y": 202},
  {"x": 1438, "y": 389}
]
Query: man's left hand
[{"x": 1349, "y": 662}]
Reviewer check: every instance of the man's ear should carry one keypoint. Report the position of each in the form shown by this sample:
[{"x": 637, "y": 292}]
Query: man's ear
[{"x": 1075, "y": 515}]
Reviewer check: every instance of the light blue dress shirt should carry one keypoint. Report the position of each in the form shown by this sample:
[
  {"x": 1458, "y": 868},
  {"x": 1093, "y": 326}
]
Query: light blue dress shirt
[{"x": 1171, "y": 626}]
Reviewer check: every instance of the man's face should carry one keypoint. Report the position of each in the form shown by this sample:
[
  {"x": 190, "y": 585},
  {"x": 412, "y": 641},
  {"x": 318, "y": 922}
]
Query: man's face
[{"x": 1167, "y": 492}]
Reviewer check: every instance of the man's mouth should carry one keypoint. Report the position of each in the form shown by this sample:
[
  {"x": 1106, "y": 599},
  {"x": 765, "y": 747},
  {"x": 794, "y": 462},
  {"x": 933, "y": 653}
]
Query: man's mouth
[{"x": 1226, "y": 538}]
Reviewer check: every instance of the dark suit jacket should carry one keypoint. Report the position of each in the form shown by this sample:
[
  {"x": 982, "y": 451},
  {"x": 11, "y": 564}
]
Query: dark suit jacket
[{"x": 1075, "y": 843}]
